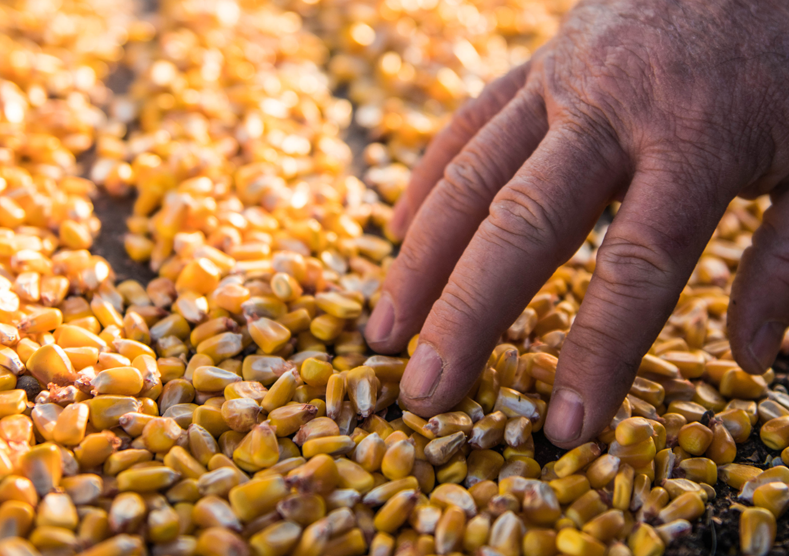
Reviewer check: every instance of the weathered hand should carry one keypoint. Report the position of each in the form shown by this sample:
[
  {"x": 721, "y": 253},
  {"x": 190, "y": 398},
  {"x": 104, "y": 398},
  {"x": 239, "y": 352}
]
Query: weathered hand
[{"x": 674, "y": 107}]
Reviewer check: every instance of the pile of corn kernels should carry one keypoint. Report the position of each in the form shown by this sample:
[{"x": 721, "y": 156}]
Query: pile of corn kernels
[{"x": 231, "y": 406}]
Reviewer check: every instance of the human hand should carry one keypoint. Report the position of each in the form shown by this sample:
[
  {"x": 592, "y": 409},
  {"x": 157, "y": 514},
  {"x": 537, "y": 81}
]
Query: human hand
[{"x": 674, "y": 108}]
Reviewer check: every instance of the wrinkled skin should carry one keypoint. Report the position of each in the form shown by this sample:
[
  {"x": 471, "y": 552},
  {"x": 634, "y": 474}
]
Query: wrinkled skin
[{"x": 674, "y": 107}]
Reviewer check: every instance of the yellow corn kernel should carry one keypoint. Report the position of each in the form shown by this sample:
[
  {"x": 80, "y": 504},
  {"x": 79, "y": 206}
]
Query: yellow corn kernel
[
  {"x": 648, "y": 391},
  {"x": 71, "y": 425},
  {"x": 348, "y": 544},
  {"x": 338, "y": 305},
  {"x": 736, "y": 383},
  {"x": 737, "y": 422},
  {"x": 303, "y": 509},
  {"x": 775, "y": 433},
  {"x": 119, "y": 381},
  {"x": 221, "y": 346},
  {"x": 570, "y": 488},
  {"x": 369, "y": 453},
  {"x": 707, "y": 396},
  {"x": 327, "y": 327},
  {"x": 517, "y": 431},
  {"x": 700, "y": 470},
  {"x": 395, "y": 511},
  {"x": 16, "y": 518},
  {"x": 655, "y": 501},
  {"x": 634, "y": 430},
  {"x": 483, "y": 465},
  {"x": 269, "y": 335},
  {"x": 335, "y": 392},
  {"x": 51, "y": 364},
  {"x": 778, "y": 473},
  {"x": 318, "y": 476},
  {"x": 636, "y": 455},
  {"x": 281, "y": 392},
  {"x": 687, "y": 506},
  {"x": 105, "y": 312},
  {"x": 722, "y": 449},
  {"x": 695, "y": 438},
  {"x": 315, "y": 372},
  {"x": 417, "y": 424},
  {"x": 353, "y": 476},
  {"x": 623, "y": 487},
  {"x": 651, "y": 364},
  {"x": 315, "y": 538},
  {"x": 605, "y": 527},
  {"x": 287, "y": 419},
  {"x": 440, "y": 450},
  {"x": 736, "y": 474},
  {"x": 381, "y": 493},
  {"x": 539, "y": 502},
  {"x": 576, "y": 459},
  {"x": 12, "y": 402},
  {"x": 10, "y": 360},
  {"x": 139, "y": 248},
  {"x": 602, "y": 470},
  {"x": 455, "y": 470},
  {"x": 213, "y": 379},
  {"x": 586, "y": 507},
  {"x": 132, "y": 349},
  {"x": 217, "y": 541},
  {"x": 331, "y": 445},
  {"x": 757, "y": 531},
  {"x": 316, "y": 428},
  {"x": 362, "y": 387},
  {"x": 42, "y": 465},
  {"x": 147, "y": 479},
  {"x": 200, "y": 275},
  {"x": 285, "y": 287},
  {"x": 773, "y": 497},
  {"x": 539, "y": 542},
  {"x": 277, "y": 539},
  {"x": 645, "y": 541},
  {"x": 161, "y": 434},
  {"x": 398, "y": 460},
  {"x": 257, "y": 496},
  {"x": 690, "y": 365},
  {"x": 575, "y": 543},
  {"x": 258, "y": 449},
  {"x": 449, "y": 423}
]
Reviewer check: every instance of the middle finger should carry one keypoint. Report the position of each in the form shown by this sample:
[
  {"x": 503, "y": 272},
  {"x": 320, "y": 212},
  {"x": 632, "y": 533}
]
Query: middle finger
[{"x": 450, "y": 215}]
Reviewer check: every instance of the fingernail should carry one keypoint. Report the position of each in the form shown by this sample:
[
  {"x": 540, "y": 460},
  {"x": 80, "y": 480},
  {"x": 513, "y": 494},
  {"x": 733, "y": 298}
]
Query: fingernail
[
  {"x": 566, "y": 418},
  {"x": 424, "y": 370},
  {"x": 766, "y": 343},
  {"x": 399, "y": 220},
  {"x": 381, "y": 322}
]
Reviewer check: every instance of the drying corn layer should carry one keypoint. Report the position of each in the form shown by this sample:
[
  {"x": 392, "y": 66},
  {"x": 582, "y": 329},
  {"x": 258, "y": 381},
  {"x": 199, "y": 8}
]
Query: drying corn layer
[{"x": 231, "y": 406}]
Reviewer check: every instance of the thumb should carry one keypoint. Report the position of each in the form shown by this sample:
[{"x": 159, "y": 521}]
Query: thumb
[{"x": 759, "y": 306}]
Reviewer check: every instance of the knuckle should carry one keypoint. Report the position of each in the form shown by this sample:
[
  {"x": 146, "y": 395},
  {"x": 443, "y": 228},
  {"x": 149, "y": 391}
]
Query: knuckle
[
  {"x": 595, "y": 334},
  {"x": 466, "y": 183},
  {"x": 413, "y": 255},
  {"x": 469, "y": 118},
  {"x": 458, "y": 308},
  {"x": 521, "y": 218},
  {"x": 634, "y": 267}
]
